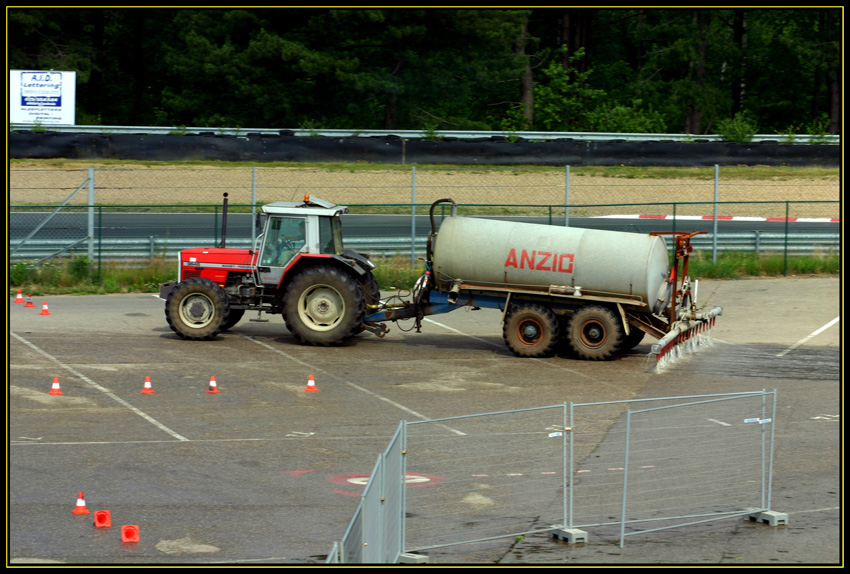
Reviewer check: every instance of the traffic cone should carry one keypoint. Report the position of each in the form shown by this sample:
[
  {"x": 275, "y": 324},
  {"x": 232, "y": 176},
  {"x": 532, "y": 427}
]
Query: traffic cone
[
  {"x": 19, "y": 298},
  {"x": 102, "y": 519},
  {"x": 311, "y": 385},
  {"x": 213, "y": 388},
  {"x": 130, "y": 533},
  {"x": 80, "y": 508},
  {"x": 29, "y": 301},
  {"x": 148, "y": 390},
  {"x": 55, "y": 390},
  {"x": 44, "y": 310}
]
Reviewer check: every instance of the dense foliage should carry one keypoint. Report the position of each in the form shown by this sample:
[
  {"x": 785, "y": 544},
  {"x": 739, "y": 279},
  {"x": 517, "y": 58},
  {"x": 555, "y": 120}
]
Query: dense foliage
[{"x": 560, "y": 69}]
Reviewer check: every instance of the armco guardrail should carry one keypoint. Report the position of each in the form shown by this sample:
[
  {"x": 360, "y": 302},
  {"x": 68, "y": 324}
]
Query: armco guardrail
[
  {"x": 417, "y": 134},
  {"x": 140, "y": 250}
]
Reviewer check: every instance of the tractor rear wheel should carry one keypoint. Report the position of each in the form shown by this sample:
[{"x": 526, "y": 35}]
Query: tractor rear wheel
[
  {"x": 595, "y": 333},
  {"x": 197, "y": 308},
  {"x": 323, "y": 306}
]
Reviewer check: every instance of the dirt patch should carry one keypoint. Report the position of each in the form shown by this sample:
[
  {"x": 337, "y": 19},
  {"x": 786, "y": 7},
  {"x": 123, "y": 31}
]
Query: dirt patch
[{"x": 50, "y": 184}]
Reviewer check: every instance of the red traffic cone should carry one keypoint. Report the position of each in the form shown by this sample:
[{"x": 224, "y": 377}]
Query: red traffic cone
[
  {"x": 29, "y": 301},
  {"x": 102, "y": 519},
  {"x": 55, "y": 390},
  {"x": 311, "y": 385},
  {"x": 80, "y": 508},
  {"x": 130, "y": 533},
  {"x": 148, "y": 390},
  {"x": 213, "y": 388},
  {"x": 19, "y": 298},
  {"x": 44, "y": 310}
]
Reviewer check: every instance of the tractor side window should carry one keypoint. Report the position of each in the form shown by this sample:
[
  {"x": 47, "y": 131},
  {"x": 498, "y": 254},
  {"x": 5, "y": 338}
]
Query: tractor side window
[
  {"x": 285, "y": 237},
  {"x": 330, "y": 235}
]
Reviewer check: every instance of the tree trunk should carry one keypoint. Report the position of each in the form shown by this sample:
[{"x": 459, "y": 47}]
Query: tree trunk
[
  {"x": 526, "y": 98},
  {"x": 693, "y": 117}
]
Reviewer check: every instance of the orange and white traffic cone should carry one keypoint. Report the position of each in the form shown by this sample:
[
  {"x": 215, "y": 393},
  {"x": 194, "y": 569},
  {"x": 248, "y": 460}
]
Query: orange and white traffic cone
[
  {"x": 148, "y": 390},
  {"x": 213, "y": 388},
  {"x": 44, "y": 310},
  {"x": 311, "y": 385},
  {"x": 55, "y": 390},
  {"x": 80, "y": 508},
  {"x": 19, "y": 298},
  {"x": 29, "y": 301}
]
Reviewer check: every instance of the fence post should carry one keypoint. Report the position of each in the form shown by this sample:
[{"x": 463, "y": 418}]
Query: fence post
[
  {"x": 567, "y": 197},
  {"x": 91, "y": 213},
  {"x": 253, "y": 204},
  {"x": 785, "y": 259},
  {"x": 714, "y": 229},
  {"x": 413, "y": 218}
]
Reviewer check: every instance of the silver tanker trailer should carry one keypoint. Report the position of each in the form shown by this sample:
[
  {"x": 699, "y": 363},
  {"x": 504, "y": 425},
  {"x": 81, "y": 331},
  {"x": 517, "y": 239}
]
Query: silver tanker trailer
[{"x": 598, "y": 292}]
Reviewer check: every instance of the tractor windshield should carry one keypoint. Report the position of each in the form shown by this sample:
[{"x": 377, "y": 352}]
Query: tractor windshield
[{"x": 285, "y": 237}]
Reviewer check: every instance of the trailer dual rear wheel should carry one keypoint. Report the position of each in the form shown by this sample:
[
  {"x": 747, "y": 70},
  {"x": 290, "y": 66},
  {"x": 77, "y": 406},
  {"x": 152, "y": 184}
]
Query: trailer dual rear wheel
[
  {"x": 323, "y": 306},
  {"x": 197, "y": 308},
  {"x": 531, "y": 331},
  {"x": 595, "y": 332}
]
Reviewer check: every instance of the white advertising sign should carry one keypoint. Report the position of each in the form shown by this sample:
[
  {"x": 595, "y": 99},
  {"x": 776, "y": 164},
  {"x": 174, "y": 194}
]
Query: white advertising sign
[{"x": 40, "y": 97}]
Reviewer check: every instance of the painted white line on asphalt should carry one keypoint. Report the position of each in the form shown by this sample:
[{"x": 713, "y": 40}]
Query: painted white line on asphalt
[
  {"x": 315, "y": 369},
  {"x": 721, "y": 423},
  {"x": 453, "y": 330},
  {"x": 94, "y": 385},
  {"x": 806, "y": 338}
]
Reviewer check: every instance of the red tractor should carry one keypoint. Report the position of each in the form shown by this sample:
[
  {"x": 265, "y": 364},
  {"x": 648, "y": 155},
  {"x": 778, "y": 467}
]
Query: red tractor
[{"x": 297, "y": 268}]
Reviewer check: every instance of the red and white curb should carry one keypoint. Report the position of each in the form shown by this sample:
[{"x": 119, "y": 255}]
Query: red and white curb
[{"x": 726, "y": 218}]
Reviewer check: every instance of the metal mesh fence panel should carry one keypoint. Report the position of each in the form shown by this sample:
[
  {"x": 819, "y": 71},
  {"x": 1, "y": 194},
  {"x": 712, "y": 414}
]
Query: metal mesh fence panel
[
  {"x": 662, "y": 463},
  {"x": 501, "y": 474},
  {"x": 697, "y": 461}
]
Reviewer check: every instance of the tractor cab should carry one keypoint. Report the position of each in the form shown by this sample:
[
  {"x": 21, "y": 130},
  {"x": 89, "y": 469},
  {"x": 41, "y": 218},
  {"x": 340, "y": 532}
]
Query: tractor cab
[{"x": 290, "y": 230}]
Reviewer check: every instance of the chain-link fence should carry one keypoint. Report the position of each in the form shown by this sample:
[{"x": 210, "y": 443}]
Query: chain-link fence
[
  {"x": 597, "y": 192},
  {"x": 621, "y": 467},
  {"x": 141, "y": 213}
]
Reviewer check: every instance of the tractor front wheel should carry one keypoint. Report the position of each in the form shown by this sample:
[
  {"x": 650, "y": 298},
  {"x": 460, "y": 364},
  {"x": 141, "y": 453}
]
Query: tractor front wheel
[{"x": 197, "y": 308}]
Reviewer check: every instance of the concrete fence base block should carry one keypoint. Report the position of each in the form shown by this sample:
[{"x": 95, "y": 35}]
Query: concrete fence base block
[
  {"x": 408, "y": 558},
  {"x": 569, "y": 535},
  {"x": 770, "y": 517}
]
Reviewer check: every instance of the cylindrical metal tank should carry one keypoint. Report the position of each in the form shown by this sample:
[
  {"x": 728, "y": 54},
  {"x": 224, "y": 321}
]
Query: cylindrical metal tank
[{"x": 532, "y": 256}]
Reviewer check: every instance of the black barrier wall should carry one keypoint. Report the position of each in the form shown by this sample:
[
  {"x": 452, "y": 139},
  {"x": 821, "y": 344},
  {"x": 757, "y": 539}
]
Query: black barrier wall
[{"x": 394, "y": 150}]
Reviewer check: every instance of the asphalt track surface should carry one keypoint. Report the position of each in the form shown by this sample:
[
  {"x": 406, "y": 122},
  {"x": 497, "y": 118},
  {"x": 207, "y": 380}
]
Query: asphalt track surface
[{"x": 263, "y": 472}]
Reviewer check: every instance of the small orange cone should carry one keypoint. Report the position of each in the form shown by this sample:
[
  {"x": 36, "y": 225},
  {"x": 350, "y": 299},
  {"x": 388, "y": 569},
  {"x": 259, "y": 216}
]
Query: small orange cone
[
  {"x": 19, "y": 298},
  {"x": 130, "y": 533},
  {"x": 44, "y": 310},
  {"x": 102, "y": 519},
  {"x": 213, "y": 388},
  {"x": 55, "y": 390},
  {"x": 80, "y": 508},
  {"x": 148, "y": 390},
  {"x": 29, "y": 301},
  {"x": 311, "y": 385}
]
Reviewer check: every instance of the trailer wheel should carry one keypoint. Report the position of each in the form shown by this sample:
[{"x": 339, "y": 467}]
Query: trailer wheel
[
  {"x": 595, "y": 333},
  {"x": 633, "y": 339},
  {"x": 531, "y": 331},
  {"x": 197, "y": 309},
  {"x": 323, "y": 306}
]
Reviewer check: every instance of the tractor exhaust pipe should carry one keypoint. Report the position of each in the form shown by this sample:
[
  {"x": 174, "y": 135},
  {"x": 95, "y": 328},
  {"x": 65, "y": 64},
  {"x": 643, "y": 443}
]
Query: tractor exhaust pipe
[{"x": 224, "y": 223}]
